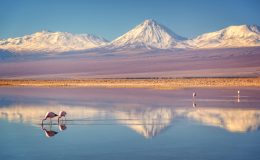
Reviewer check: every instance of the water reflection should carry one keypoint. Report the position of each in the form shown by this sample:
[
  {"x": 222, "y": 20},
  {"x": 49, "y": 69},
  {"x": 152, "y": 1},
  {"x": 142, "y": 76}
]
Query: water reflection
[
  {"x": 148, "y": 122},
  {"x": 49, "y": 133},
  {"x": 62, "y": 127},
  {"x": 233, "y": 120},
  {"x": 238, "y": 99},
  {"x": 194, "y": 105},
  {"x": 145, "y": 120}
]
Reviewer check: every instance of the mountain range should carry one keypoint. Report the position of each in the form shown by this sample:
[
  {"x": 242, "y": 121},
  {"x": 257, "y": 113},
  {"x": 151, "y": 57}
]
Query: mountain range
[
  {"x": 147, "y": 35},
  {"x": 56, "y": 42}
]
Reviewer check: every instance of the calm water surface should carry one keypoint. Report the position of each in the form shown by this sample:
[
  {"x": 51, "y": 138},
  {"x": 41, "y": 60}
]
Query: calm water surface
[{"x": 120, "y": 124}]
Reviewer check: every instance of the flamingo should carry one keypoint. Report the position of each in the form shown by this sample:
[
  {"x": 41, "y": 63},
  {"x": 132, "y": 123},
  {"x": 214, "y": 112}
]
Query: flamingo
[
  {"x": 61, "y": 114},
  {"x": 49, "y": 115},
  {"x": 238, "y": 96},
  {"x": 194, "y": 95}
]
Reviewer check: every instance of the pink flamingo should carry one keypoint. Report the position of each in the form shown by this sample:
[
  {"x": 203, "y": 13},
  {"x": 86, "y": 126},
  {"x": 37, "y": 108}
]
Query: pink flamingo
[
  {"x": 49, "y": 115},
  {"x": 194, "y": 95},
  {"x": 61, "y": 114}
]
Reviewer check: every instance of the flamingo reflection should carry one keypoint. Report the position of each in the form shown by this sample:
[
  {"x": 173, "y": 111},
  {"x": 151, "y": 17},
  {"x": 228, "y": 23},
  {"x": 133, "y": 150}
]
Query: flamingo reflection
[
  {"x": 194, "y": 105},
  {"x": 49, "y": 133},
  {"x": 62, "y": 127}
]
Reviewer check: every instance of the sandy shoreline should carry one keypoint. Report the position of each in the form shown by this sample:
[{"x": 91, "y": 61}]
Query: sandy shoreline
[{"x": 138, "y": 83}]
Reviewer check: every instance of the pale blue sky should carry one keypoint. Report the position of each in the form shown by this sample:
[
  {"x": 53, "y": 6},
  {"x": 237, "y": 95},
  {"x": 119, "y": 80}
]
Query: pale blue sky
[{"x": 112, "y": 18}]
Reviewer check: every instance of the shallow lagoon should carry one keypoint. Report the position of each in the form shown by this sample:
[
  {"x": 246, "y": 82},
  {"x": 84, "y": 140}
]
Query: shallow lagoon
[{"x": 130, "y": 124}]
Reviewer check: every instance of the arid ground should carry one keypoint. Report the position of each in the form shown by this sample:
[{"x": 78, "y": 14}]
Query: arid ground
[
  {"x": 139, "y": 83},
  {"x": 236, "y": 62}
]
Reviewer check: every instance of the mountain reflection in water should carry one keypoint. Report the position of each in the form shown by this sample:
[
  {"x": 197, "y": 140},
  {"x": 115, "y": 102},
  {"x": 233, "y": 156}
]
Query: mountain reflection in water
[{"x": 145, "y": 120}]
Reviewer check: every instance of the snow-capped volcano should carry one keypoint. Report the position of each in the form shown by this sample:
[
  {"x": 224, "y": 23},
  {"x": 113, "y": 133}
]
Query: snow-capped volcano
[
  {"x": 46, "y": 41},
  {"x": 232, "y": 36},
  {"x": 149, "y": 34}
]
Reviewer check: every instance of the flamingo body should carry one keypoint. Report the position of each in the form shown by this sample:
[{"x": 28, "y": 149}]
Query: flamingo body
[
  {"x": 49, "y": 115},
  {"x": 61, "y": 114}
]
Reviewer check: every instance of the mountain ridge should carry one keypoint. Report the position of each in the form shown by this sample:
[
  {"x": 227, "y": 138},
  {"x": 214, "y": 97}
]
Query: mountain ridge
[
  {"x": 46, "y": 41},
  {"x": 231, "y": 36},
  {"x": 148, "y": 35}
]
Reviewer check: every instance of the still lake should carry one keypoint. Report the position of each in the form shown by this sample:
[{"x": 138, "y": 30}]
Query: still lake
[{"x": 121, "y": 124}]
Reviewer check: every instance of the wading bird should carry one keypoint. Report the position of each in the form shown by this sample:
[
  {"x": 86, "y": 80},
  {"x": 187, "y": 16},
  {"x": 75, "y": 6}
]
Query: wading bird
[
  {"x": 49, "y": 115},
  {"x": 61, "y": 114},
  {"x": 194, "y": 95},
  {"x": 238, "y": 96}
]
